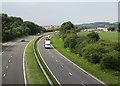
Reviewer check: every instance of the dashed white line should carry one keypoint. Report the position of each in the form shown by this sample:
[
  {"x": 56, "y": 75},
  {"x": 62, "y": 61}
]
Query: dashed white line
[
  {"x": 6, "y": 67},
  {"x": 56, "y": 60},
  {"x": 70, "y": 73},
  {"x": 82, "y": 84},
  {"x": 9, "y": 60},
  {"x": 62, "y": 66},
  {"x": 11, "y": 56},
  {"x": 3, "y": 75}
]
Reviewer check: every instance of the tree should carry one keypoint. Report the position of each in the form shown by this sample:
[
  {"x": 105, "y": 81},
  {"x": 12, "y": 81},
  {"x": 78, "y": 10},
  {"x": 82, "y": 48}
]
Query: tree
[
  {"x": 111, "y": 60},
  {"x": 33, "y": 28},
  {"x": 118, "y": 27},
  {"x": 66, "y": 28},
  {"x": 13, "y": 27},
  {"x": 93, "y": 36},
  {"x": 70, "y": 41},
  {"x": 111, "y": 28}
]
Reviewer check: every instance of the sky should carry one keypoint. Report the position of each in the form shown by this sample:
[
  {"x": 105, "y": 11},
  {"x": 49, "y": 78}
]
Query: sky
[{"x": 55, "y": 13}]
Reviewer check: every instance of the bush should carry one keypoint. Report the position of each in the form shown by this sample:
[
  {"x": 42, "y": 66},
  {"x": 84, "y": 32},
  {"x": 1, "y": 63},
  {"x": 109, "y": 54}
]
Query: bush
[
  {"x": 70, "y": 42},
  {"x": 93, "y": 37},
  {"x": 80, "y": 46},
  {"x": 93, "y": 52},
  {"x": 95, "y": 58},
  {"x": 116, "y": 46},
  {"x": 111, "y": 60}
]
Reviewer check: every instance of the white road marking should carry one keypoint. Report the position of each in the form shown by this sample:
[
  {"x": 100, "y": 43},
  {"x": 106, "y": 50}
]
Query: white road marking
[
  {"x": 82, "y": 84},
  {"x": 6, "y": 66},
  {"x": 11, "y": 56},
  {"x": 70, "y": 73},
  {"x": 3, "y": 75},
  {"x": 56, "y": 60},
  {"x": 62, "y": 56},
  {"x": 8, "y": 48},
  {"x": 62, "y": 66},
  {"x": 9, "y": 60}
]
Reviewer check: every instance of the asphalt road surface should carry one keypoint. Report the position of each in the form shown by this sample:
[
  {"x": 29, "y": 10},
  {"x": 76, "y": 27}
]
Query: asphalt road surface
[
  {"x": 12, "y": 61},
  {"x": 65, "y": 71}
]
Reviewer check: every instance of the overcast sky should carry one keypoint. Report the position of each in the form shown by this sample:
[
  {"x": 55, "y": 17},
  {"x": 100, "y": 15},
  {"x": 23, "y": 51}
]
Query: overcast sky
[{"x": 55, "y": 13}]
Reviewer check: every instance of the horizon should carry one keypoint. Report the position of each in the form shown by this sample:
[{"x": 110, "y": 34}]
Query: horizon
[{"x": 52, "y": 13}]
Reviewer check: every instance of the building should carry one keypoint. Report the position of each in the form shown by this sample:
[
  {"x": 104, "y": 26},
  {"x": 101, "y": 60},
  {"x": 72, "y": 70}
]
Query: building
[
  {"x": 51, "y": 27},
  {"x": 102, "y": 29}
]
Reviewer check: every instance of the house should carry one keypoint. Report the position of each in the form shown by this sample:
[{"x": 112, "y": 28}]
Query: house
[{"x": 102, "y": 29}]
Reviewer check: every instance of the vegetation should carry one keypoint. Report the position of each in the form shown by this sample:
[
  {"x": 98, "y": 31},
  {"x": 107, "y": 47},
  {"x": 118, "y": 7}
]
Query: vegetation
[
  {"x": 109, "y": 77},
  {"x": 108, "y": 36},
  {"x": 33, "y": 71},
  {"x": 118, "y": 27},
  {"x": 14, "y": 27},
  {"x": 111, "y": 28},
  {"x": 93, "y": 36},
  {"x": 91, "y": 48}
]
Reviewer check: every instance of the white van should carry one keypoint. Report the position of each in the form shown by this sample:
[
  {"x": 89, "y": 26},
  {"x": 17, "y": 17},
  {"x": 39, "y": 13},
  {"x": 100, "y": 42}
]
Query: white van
[{"x": 47, "y": 44}]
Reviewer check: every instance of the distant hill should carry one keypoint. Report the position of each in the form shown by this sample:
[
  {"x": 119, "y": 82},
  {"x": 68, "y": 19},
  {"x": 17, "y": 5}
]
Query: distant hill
[{"x": 95, "y": 25}]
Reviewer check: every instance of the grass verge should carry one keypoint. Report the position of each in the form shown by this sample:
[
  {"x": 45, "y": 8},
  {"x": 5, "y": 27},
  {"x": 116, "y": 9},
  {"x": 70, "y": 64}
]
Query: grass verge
[
  {"x": 44, "y": 66},
  {"x": 33, "y": 71},
  {"x": 95, "y": 70}
]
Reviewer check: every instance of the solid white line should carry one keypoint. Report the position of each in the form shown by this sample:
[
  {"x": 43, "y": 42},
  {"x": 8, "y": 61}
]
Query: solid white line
[
  {"x": 7, "y": 48},
  {"x": 47, "y": 66},
  {"x": 4, "y": 75},
  {"x": 80, "y": 68},
  {"x": 70, "y": 73},
  {"x": 46, "y": 75},
  {"x": 6, "y": 67},
  {"x": 24, "y": 72}
]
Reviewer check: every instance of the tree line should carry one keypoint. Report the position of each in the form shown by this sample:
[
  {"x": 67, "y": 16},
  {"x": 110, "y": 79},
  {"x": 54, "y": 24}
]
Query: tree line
[
  {"x": 91, "y": 47},
  {"x": 14, "y": 27}
]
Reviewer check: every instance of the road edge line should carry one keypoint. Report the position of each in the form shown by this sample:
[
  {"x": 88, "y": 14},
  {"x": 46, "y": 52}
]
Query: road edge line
[
  {"x": 24, "y": 69},
  {"x": 8, "y": 48},
  {"x": 80, "y": 67},
  {"x": 47, "y": 66},
  {"x": 40, "y": 65}
]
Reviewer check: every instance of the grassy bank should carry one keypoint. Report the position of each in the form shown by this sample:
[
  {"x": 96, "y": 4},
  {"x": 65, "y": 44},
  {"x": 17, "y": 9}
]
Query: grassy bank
[
  {"x": 33, "y": 71},
  {"x": 95, "y": 70},
  {"x": 110, "y": 36}
]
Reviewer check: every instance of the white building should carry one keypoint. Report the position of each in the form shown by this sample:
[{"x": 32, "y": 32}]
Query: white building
[{"x": 102, "y": 29}]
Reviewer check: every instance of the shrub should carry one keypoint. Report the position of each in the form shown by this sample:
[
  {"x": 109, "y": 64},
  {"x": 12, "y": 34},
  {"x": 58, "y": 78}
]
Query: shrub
[
  {"x": 66, "y": 42},
  {"x": 93, "y": 36},
  {"x": 70, "y": 42},
  {"x": 116, "y": 46},
  {"x": 111, "y": 60},
  {"x": 80, "y": 46},
  {"x": 95, "y": 58},
  {"x": 93, "y": 52}
]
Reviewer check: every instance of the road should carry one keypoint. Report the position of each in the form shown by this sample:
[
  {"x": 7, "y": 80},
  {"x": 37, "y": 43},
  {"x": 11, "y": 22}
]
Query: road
[
  {"x": 12, "y": 61},
  {"x": 63, "y": 70}
]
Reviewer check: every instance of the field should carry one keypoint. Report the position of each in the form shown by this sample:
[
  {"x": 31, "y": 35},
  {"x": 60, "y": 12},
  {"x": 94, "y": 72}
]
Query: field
[{"x": 110, "y": 36}]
